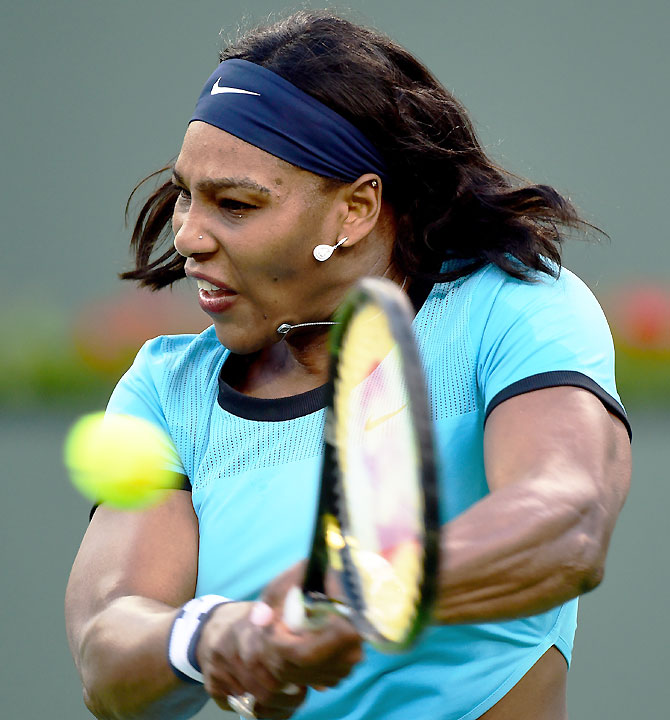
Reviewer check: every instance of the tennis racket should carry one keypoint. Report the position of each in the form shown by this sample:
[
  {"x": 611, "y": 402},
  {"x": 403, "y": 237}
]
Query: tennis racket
[{"x": 377, "y": 518}]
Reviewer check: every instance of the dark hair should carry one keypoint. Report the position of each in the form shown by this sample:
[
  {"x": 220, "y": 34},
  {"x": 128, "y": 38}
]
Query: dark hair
[{"x": 450, "y": 199}]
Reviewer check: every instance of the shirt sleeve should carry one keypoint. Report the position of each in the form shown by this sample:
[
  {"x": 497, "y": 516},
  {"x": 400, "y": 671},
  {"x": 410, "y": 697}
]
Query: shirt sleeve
[
  {"x": 541, "y": 334},
  {"x": 137, "y": 394}
]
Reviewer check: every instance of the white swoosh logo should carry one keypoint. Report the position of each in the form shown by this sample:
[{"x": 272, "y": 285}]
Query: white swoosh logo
[{"x": 218, "y": 89}]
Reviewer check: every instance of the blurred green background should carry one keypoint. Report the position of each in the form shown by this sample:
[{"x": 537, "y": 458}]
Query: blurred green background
[{"x": 95, "y": 95}]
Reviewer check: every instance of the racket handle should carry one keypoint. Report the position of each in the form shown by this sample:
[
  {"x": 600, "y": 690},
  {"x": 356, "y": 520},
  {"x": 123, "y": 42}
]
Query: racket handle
[
  {"x": 296, "y": 617},
  {"x": 301, "y": 613}
]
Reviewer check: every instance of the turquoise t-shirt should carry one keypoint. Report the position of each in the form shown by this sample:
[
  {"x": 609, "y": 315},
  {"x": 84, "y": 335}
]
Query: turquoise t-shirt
[{"x": 253, "y": 466}]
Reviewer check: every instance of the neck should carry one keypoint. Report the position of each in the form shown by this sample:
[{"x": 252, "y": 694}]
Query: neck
[{"x": 290, "y": 367}]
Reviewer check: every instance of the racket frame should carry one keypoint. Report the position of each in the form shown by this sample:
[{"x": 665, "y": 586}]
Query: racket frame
[{"x": 400, "y": 315}]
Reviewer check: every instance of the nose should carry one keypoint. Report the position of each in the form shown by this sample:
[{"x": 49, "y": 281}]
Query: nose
[{"x": 190, "y": 238}]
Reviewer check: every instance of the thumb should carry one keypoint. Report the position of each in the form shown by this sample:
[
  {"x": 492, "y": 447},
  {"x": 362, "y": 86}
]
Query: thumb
[{"x": 276, "y": 590}]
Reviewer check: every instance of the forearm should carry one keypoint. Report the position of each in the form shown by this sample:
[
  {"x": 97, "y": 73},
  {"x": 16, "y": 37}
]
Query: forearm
[
  {"x": 122, "y": 659},
  {"x": 521, "y": 550}
]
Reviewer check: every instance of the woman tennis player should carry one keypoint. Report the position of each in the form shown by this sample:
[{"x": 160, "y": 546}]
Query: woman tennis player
[{"x": 321, "y": 152}]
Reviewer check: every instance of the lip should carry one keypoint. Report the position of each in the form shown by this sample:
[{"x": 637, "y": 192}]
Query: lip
[
  {"x": 209, "y": 279},
  {"x": 214, "y": 303}
]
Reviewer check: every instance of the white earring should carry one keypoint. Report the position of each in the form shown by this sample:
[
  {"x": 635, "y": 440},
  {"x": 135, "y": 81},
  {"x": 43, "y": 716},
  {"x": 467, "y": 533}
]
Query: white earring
[{"x": 323, "y": 252}]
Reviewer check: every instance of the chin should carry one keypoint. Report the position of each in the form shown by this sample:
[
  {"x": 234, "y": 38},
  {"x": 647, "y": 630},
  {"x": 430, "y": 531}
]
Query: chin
[{"x": 241, "y": 342}]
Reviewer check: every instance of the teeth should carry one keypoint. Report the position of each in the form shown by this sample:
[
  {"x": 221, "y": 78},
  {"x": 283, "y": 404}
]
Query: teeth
[{"x": 204, "y": 285}]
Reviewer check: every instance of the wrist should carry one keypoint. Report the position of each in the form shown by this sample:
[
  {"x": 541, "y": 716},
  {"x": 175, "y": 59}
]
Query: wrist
[{"x": 185, "y": 635}]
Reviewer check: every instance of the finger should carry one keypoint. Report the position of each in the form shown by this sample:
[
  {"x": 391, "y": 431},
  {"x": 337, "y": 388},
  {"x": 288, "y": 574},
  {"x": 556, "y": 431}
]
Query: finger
[
  {"x": 336, "y": 631},
  {"x": 335, "y": 641},
  {"x": 258, "y": 680},
  {"x": 310, "y": 660},
  {"x": 221, "y": 684},
  {"x": 260, "y": 710},
  {"x": 274, "y": 698},
  {"x": 234, "y": 664},
  {"x": 261, "y": 614},
  {"x": 254, "y": 675},
  {"x": 288, "y": 700},
  {"x": 277, "y": 706}
]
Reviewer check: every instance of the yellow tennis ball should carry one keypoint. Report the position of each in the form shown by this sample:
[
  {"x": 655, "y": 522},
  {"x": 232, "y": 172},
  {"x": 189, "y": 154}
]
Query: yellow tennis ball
[{"x": 120, "y": 460}]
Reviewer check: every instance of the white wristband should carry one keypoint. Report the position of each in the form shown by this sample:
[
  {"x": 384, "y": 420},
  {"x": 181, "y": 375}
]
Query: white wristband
[{"x": 185, "y": 634}]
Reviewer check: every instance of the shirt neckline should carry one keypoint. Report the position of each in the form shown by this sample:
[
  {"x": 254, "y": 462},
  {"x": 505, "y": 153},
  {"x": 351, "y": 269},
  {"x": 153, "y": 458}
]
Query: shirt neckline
[
  {"x": 293, "y": 406},
  {"x": 271, "y": 409}
]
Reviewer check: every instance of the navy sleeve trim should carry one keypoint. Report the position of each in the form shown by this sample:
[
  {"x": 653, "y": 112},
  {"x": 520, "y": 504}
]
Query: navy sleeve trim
[
  {"x": 556, "y": 379},
  {"x": 185, "y": 485}
]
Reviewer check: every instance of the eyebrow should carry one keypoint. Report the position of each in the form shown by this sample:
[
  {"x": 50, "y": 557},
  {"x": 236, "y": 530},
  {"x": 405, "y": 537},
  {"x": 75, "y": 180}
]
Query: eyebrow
[{"x": 224, "y": 183}]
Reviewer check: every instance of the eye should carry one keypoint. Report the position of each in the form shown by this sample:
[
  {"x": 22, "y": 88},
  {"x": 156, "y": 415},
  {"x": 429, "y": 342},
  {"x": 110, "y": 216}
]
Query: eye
[
  {"x": 235, "y": 207},
  {"x": 184, "y": 194}
]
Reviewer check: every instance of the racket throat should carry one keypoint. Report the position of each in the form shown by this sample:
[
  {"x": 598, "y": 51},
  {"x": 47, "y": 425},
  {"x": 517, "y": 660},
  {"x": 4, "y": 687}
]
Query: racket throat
[
  {"x": 310, "y": 611},
  {"x": 317, "y": 607}
]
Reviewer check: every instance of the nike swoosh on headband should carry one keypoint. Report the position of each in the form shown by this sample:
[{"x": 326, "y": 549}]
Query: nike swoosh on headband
[
  {"x": 218, "y": 89},
  {"x": 286, "y": 122}
]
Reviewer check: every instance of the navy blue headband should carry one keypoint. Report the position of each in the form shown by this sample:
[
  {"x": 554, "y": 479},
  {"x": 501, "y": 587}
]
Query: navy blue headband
[{"x": 261, "y": 108}]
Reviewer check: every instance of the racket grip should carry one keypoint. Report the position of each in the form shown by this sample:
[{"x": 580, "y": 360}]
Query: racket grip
[
  {"x": 295, "y": 612},
  {"x": 301, "y": 613}
]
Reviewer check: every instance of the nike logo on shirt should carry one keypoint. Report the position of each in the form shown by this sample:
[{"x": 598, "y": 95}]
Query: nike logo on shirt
[
  {"x": 372, "y": 423},
  {"x": 218, "y": 89}
]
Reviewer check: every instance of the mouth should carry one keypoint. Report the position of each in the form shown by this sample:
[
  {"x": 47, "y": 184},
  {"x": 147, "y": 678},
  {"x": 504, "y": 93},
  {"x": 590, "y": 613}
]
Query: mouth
[
  {"x": 210, "y": 288},
  {"x": 214, "y": 298}
]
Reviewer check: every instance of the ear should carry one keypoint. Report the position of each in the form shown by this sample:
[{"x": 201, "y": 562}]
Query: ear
[{"x": 364, "y": 202}]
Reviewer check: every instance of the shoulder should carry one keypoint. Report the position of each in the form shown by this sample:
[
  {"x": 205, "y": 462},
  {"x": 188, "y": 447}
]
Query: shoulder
[
  {"x": 167, "y": 363},
  {"x": 171, "y": 374},
  {"x": 489, "y": 301},
  {"x": 173, "y": 349},
  {"x": 491, "y": 286},
  {"x": 547, "y": 331},
  {"x": 544, "y": 304},
  {"x": 168, "y": 354}
]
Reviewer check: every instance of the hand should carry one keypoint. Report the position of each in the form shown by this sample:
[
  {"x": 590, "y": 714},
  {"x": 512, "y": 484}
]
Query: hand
[
  {"x": 246, "y": 648},
  {"x": 319, "y": 658},
  {"x": 231, "y": 654}
]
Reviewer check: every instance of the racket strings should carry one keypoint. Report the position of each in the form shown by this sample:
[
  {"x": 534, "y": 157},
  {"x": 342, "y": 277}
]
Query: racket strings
[{"x": 380, "y": 490}]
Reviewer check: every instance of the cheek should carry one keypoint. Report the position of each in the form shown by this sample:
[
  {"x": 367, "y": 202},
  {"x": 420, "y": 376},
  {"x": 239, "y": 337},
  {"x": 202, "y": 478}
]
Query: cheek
[
  {"x": 286, "y": 262},
  {"x": 291, "y": 268},
  {"x": 307, "y": 230},
  {"x": 279, "y": 254},
  {"x": 177, "y": 221}
]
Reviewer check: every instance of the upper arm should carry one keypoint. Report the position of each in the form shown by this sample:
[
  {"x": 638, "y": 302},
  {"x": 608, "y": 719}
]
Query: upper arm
[
  {"x": 562, "y": 435},
  {"x": 568, "y": 462},
  {"x": 545, "y": 369},
  {"x": 151, "y": 553}
]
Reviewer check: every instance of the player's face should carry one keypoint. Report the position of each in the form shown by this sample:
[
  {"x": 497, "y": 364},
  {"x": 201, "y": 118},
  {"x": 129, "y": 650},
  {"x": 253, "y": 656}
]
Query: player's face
[{"x": 247, "y": 223}]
